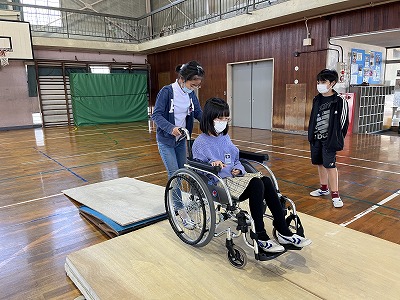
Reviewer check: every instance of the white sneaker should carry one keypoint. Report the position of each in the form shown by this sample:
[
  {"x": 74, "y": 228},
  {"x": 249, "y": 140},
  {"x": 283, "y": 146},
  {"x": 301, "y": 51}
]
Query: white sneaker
[
  {"x": 295, "y": 240},
  {"x": 188, "y": 223},
  {"x": 337, "y": 202},
  {"x": 270, "y": 246},
  {"x": 319, "y": 192}
]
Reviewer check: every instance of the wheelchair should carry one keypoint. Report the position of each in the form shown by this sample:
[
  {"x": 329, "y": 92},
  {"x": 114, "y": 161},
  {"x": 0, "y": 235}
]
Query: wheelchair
[{"x": 210, "y": 205}]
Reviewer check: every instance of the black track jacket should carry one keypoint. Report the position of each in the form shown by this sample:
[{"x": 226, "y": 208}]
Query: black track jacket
[{"x": 338, "y": 122}]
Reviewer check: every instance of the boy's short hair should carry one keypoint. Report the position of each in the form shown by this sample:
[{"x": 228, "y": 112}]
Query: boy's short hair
[
  {"x": 213, "y": 109},
  {"x": 326, "y": 74}
]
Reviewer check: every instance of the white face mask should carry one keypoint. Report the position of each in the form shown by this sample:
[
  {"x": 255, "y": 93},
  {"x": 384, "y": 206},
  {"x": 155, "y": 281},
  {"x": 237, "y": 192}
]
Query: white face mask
[
  {"x": 323, "y": 88},
  {"x": 220, "y": 126},
  {"x": 185, "y": 89}
]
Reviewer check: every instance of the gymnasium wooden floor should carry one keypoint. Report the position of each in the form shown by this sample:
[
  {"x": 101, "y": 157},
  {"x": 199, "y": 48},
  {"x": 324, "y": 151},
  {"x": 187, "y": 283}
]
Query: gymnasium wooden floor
[{"x": 40, "y": 226}]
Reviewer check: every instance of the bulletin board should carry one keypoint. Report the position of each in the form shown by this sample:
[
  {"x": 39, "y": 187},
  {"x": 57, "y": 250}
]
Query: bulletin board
[{"x": 366, "y": 66}]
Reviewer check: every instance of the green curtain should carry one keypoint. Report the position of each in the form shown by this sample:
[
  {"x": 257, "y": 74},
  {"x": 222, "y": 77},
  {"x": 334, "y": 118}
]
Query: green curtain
[{"x": 108, "y": 98}]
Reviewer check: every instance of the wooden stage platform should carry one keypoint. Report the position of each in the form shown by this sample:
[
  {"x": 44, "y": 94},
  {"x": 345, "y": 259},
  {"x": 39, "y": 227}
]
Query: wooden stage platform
[{"x": 152, "y": 263}]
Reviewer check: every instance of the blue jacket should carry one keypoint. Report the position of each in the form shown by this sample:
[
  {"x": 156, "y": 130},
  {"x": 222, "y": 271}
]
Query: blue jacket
[{"x": 163, "y": 115}]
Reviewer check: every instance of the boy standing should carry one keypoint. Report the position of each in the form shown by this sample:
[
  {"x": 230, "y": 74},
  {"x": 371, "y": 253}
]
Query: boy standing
[{"x": 326, "y": 132}]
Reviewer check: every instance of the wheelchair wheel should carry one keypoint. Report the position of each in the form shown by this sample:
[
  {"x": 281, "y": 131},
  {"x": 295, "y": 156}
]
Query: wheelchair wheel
[
  {"x": 238, "y": 259},
  {"x": 186, "y": 189}
]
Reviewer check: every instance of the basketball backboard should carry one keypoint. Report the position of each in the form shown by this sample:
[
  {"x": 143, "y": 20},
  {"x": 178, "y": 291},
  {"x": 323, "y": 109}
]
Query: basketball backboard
[{"x": 17, "y": 36}]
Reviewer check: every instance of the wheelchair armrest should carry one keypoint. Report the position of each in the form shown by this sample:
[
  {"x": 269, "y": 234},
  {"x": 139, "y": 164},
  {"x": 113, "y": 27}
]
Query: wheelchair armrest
[
  {"x": 253, "y": 156},
  {"x": 203, "y": 166}
]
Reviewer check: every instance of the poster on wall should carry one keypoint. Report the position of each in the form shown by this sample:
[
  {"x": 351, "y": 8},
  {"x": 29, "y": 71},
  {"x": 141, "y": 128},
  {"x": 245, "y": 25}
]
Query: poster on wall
[{"x": 365, "y": 66}]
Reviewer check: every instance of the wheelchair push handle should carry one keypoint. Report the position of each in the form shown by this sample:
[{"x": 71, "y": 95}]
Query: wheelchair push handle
[
  {"x": 184, "y": 134},
  {"x": 202, "y": 165}
]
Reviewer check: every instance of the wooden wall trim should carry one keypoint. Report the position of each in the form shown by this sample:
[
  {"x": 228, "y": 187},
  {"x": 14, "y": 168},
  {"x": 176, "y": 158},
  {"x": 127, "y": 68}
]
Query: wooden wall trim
[{"x": 278, "y": 43}]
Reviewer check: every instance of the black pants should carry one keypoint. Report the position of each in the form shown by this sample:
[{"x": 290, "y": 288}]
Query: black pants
[{"x": 258, "y": 190}]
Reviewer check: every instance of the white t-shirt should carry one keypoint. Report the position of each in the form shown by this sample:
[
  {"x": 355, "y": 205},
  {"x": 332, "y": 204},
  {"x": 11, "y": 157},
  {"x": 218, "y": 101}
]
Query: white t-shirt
[{"x": 181, "y": 105}]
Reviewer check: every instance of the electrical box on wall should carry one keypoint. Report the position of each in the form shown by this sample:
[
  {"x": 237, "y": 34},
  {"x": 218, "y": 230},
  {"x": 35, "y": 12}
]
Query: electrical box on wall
[{"x": 307, "y": 42}]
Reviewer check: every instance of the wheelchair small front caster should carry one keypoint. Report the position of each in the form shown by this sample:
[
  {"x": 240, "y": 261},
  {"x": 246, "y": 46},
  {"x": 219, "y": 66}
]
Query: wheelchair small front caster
[{"x": 238, "y": 258}]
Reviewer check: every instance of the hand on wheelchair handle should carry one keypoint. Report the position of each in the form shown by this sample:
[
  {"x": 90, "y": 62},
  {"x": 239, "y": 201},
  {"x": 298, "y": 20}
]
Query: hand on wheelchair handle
[
  {"x": 175, "y": 131},
  {"x": 182, "y": 136}
]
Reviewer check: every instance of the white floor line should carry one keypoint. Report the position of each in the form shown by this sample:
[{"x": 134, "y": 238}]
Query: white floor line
[
  {"x": 32, "y": 244},
  {"x": 95, "y": 152},
  {"x": 63, "y": 136},
  {"x": 308, "y": 151},
  {"x": 55, "y": 195},
  {"x": 32, "y": 200},
  {"x": 338, "y": 163},
  {"x": 356, "y": 217},
  {"x": 141, "y": 176}
]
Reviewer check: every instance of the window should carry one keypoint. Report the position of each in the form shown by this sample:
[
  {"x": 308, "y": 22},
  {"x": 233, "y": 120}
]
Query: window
[
  {"x": 41, "y": 16},
  {"x": 99, "y": 69}
]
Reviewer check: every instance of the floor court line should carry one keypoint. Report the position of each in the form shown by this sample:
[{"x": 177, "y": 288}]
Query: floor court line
[
  {"x": 32, "y": 200},
  {"x": 66, "y": 168},
  {"x": 372, "y": 208},
  {"x": 145, "y": 175},
  {"x": 95, "y": 152},
  {"x": 65, "y": 135},
  {"x": 339, "y": 163},
  {"x": 32, "y": 244},
  {"x": 378, "y": 204},
  {"x": 75, "y": 167},
  {"x": 59, "y": 194},
  {"x": 308, "y": 151}
]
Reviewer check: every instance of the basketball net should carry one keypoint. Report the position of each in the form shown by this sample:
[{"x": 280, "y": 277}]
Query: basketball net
[{"x": 3, "y": 58}]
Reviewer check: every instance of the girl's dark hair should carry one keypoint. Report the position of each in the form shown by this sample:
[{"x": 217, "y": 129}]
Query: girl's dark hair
[
  {"x": 326, "y": 74},
  {"x": 189, "y": 70},
  {"x": 213, "y": 109}
]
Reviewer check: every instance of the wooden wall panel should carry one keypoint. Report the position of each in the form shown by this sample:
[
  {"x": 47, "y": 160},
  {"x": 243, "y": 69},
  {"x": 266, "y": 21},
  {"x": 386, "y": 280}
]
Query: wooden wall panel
[
  {"x": 278, "y": 43},
  {"x": 164, "y": 78},
  {"x": 295, "y": 108},
  {"x": 374, "y": 18}
]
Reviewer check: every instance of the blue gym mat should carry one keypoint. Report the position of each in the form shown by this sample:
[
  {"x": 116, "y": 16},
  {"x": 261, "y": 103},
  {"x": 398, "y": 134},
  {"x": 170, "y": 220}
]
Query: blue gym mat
[
  {"x": 112, "y": 228},
  {"x": 119, "y": 205}
]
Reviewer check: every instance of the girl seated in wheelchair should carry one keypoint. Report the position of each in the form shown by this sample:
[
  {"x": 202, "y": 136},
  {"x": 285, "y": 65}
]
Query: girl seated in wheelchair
[{"x": 214, "y": 146}]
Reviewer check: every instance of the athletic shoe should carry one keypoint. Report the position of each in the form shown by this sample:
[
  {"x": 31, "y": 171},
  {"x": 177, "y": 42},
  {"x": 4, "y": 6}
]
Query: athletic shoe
[
  {"x": 270, "y": 246},
  {"x": 295, "y": 240},
  {"x": 319, "y": 192},
  {"x": 188, "y": 223},
  {"x": 337, "y": 202}
]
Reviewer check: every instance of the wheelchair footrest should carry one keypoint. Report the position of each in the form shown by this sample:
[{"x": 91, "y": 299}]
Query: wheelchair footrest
[
  {"x": 291, "y": 247},
  {"x": 263, "y": 256}
]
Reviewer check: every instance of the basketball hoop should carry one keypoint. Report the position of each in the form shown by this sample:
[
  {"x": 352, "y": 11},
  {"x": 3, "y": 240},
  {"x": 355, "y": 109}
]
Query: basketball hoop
[{"x": 3, "y": 57}]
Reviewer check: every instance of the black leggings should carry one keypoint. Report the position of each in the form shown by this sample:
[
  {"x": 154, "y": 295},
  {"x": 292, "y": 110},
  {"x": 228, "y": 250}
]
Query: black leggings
[{"x": 258, "y": 190}]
